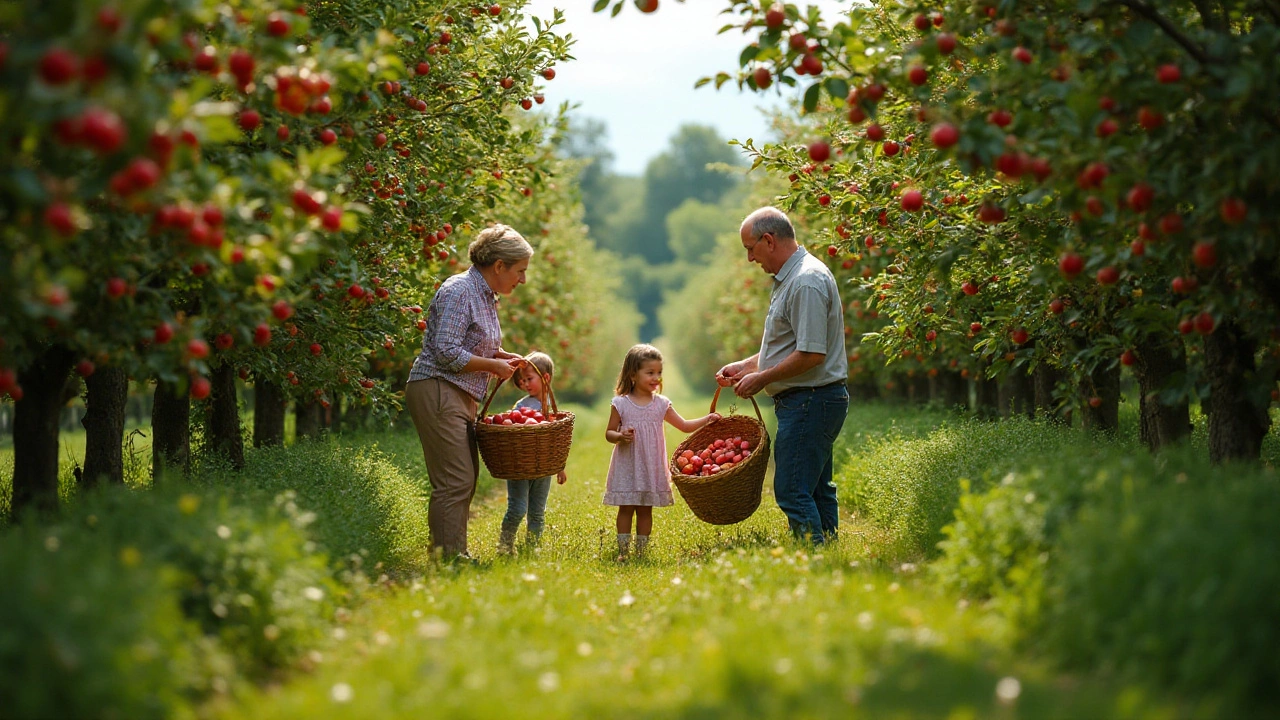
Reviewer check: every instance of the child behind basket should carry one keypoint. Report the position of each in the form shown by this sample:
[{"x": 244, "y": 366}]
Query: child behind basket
[
  {"x": 639, "y": 478},
  {"x": 528, "y": 496}
]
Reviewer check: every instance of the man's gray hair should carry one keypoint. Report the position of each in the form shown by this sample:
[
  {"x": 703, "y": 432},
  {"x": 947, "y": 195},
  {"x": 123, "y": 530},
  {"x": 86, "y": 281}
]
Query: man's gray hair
[{"x": 770, "y": 220}]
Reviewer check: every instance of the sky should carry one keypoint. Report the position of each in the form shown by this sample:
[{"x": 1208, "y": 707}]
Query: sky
[{"x": 636, "y": 73}]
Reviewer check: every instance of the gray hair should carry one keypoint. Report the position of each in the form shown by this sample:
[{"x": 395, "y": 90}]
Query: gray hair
[
  {"x": 500, "y": 242},
  {"x": 770, "y": 220}
]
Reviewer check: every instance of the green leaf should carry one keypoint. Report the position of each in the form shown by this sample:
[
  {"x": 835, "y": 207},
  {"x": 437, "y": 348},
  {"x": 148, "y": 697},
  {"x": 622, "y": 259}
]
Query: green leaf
[
  {"x": 600, "y": 5},
  {"x": 701, "y": 82},
  {"x": 721, "y": 79},
  {"x": 26, "y": 184},
  {"x": 748, "y": 54},
  {"x": 811, "y": 97},
  {"x": 613, "y": 13},
  {"x": 219, "y": 129},
  {"x": 837, "y": 88}
]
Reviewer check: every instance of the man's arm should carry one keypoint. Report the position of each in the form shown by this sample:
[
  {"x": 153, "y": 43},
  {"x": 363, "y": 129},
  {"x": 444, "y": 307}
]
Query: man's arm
[{"x": 797, "y": 363}]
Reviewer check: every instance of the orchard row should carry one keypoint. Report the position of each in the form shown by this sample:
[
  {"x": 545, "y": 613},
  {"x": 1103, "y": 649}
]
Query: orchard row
[
  {"x": 198, "y": 190},
  {"x": 1042, "y": 193}
]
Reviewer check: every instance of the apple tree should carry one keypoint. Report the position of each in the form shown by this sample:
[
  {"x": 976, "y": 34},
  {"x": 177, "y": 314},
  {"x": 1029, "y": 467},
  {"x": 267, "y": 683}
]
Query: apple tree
[{"x": 1119, "y": 154}]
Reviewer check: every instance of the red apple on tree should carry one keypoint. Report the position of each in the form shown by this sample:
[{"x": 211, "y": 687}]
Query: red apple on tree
[{"x": 1070, "y": 265}]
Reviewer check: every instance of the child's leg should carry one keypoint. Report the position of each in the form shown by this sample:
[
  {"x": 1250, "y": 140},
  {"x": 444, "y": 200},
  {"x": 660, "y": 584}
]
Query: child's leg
[
  {"x": 644, "y": 525},
  {"x": 538, "y": 491},
  {"x": 517, "y": 506},
  {"x": 624, "y": 530},
  {"x": 624, "y": 518},
  {"x": 644, "y": 519}
]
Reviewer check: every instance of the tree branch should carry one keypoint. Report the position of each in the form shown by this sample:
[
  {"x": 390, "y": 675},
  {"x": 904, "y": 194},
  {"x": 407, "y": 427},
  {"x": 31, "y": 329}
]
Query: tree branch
[
  {"x": 1208, "y": 18},
  {"x": 1150, "y": 13}
]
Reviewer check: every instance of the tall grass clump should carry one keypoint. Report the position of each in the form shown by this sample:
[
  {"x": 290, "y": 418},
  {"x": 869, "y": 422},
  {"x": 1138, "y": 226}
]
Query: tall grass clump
[
  {"x": 137, "y": 601},
  {"x": 1170, "y": 572},
  {"x": 91, "y": 631},
  {"x": 362, "y": 502},
  {"x": 1159, "y": 569},
  {"x": 911, "y": 485}
]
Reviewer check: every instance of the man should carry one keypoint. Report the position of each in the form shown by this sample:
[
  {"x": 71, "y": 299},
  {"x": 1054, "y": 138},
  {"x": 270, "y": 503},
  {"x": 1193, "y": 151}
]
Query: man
[{"x": 802, "y": 366}]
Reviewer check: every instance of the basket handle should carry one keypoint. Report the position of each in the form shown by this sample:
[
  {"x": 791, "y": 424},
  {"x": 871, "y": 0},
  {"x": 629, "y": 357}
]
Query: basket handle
[
  {"x": 546, "y": 388},
  {"x": 716, "y": 398}
]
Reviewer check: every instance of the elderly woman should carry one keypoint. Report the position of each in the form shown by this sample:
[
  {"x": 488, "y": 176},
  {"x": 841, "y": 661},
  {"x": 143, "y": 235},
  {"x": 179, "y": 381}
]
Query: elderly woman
[{"x": 461, "y": 349}]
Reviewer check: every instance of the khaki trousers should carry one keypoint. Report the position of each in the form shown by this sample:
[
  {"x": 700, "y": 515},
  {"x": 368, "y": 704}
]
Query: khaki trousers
[{"x": 445, "y": 418}]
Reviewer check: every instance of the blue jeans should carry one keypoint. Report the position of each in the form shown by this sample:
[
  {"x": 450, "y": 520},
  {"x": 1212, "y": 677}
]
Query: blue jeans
[
  {"x": 526, "y": 496},
  {"x": 809, "y": 421}
]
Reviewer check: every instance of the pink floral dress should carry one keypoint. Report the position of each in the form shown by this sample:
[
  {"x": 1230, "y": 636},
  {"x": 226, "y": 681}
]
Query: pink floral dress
[{"x": 638, "y": 472}]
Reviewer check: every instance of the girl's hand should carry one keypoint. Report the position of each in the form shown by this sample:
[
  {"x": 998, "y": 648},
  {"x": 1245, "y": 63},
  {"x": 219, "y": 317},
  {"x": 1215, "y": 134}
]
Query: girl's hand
[
  {"x": 626, "y": 434},
  {"x": 713, "y": 417},
  {"x": 561, "y": 478}
]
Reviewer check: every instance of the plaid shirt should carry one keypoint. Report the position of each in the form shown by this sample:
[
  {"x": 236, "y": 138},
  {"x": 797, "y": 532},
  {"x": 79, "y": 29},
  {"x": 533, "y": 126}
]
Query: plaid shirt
[{"x": 461, "y": 322}]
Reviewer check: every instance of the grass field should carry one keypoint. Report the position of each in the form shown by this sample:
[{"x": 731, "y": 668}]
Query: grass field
[
  {"x": 717, "y": 622},
  {"x": 736, "y": 621}
]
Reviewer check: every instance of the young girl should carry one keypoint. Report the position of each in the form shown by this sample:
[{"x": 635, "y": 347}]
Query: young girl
[
  {"x": 639, "y": 478},
  {"x": 528, "y": 496}
]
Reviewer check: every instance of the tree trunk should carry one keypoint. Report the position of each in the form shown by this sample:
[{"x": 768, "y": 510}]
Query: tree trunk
[
  {"x": 1045, "y": 379},
  {"x": 306, "y": 419},
  {"x": 953, "y": 390},
  {"x": 1103, "y": 387},
  {"x": 224, "y": 438},
  {"x": 268, "y": 413},
  {"x": 987, "y": 395},
  {"x": 863, "y": 389},
  {"x": 108, "y": 394},
  {"x": 1237, "y": 404},
  {"x": 920, "y": 388},
  {"x": 1017, "y": 394},
  {"x": 170, "y": 430},
  {"x": 35, "y": 431},
  {"x": 1156, "y": 363}
]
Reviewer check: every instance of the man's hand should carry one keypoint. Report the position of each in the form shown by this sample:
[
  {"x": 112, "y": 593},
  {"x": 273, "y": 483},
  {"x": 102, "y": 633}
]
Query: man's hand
[
  {"x": 728, "y": 375},
  {"x": 750, "y": 384},
  {"x": 561, "y": 478}
]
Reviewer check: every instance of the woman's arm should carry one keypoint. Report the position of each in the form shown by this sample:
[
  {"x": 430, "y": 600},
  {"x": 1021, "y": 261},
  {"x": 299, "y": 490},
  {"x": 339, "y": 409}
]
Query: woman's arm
[
  {"x": 494, "y": 366},
  {"x": 614, "y": 433},
  {"x": 688, "y": 426}
]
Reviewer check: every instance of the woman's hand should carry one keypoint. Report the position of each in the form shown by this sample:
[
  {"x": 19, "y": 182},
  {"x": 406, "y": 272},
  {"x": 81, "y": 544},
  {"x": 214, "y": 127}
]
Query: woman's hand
[
  {"x": 561, "y": 478},
  {"x": 504, "y": 355},
  {"x": 504, "y": 369}
]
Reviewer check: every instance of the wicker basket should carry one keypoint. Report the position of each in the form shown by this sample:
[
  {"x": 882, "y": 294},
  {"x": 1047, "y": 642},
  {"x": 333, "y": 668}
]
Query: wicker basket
[
  {"x": 526, "y": 452},
  {"x": 730, "y": 496}
]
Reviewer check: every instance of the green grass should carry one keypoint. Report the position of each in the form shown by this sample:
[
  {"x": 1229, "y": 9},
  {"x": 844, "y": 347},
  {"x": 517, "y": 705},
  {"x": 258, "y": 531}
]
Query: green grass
[
  {"x": 717, "y": 622},
  {"x": 735, "y": 621}
]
